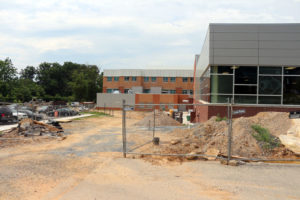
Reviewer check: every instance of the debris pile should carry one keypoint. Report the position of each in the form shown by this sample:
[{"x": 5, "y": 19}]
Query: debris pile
[
  {"x": 161, "y": 119},
  {"x": 211, "y": 138},
  {"x": 27, "y": 131}
]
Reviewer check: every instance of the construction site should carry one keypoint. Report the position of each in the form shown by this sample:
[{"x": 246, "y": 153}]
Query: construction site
[
  {"x": 227, "y": 129},
  {"x": 143, "y": 152}
]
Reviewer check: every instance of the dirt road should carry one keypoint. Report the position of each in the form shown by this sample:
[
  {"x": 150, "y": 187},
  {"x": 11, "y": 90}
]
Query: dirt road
[{"x": 88, "y": 165}]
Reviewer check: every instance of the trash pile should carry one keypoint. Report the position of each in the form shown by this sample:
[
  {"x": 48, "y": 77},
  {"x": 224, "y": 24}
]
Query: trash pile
[
  {"x": 211, "y": 138},
  {"x": 161, "y": 119},
  {"x": 29, "y": 130}
]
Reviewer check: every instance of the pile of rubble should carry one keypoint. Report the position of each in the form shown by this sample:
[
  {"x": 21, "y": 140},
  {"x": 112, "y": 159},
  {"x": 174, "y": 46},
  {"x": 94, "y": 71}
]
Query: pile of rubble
[
  {"x": 29, "y": 130},
  {"x": 211, "y": 138}
]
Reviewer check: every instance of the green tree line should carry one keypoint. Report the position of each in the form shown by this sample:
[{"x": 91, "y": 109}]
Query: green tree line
[{"x": 50, "y": 82}]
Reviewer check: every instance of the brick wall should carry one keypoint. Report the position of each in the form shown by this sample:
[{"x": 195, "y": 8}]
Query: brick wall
[{"x": 178, "y": 85}]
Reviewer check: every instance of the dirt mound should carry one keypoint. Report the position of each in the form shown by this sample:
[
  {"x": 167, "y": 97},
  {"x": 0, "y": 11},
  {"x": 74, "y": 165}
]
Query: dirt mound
[
  {"x": 213, "y": 135},
  {"x": 161, "y": 119},
  {"x": 28, "y": 131}
]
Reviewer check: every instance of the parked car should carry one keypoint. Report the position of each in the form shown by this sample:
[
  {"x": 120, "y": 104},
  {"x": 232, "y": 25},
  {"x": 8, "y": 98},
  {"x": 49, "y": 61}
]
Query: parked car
[
  {"x": 6, "y": 115},
  {"x": 75, "y": 104},
  {"x": 18, "y": 115},
  {"x": 32, "y": 115},
  {"x": 43, "y": 109},
  {"x": 63, "y": 112}
]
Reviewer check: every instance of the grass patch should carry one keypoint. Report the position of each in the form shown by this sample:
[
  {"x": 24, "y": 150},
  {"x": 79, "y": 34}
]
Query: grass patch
[
  {"x": 218, "y": 119},
  {"x": 263, "y": 136},
  {"x": 94, "y": 115}
]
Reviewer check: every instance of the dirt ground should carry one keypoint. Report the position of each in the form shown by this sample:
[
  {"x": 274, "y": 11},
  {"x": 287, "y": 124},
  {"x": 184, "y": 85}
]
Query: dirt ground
[{"x": 89, "y": 165}]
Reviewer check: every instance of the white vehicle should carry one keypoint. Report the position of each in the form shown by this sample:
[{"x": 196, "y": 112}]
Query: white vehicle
[
  {"x": 18, "y": 115},
  {"x": 75, "y": 104}
]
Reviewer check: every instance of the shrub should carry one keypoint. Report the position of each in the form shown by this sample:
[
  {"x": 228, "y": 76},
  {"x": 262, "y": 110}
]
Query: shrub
[
  {"x": 263, "y": 136},
  {"x": 218, "y": 119}
]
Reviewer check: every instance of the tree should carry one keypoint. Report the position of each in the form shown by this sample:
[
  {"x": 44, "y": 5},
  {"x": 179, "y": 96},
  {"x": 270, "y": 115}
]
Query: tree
[
  {"x": 28, "y": 73},
  {"x": 7, "y": 74}
]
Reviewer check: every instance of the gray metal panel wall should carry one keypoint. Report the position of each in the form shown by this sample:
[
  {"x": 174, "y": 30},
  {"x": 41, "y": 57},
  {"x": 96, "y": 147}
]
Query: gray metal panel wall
[
  {"x": 114, "y": 100},
  {"x": 254, "y": 44}
]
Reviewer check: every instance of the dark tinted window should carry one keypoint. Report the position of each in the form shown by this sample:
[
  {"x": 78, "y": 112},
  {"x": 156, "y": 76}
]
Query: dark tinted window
[
  {"x": 246, "y": 75},
  {"x": 270, "y": 85},
  {"x": 222, "y": 69},
  {"x": 292, "y": 70},
  {"x": 270, "y": 70}
]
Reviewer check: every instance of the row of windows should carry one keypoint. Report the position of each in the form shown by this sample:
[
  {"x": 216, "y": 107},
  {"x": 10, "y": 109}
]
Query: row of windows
[
  {"x": 252, "y": 84},
  {"x": 148, "y": 91},
  {"x": 153, "y": 79}
]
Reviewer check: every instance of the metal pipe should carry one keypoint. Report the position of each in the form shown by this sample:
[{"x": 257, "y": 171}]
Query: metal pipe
[
  {"x": 219, "y": 157},
  {"x": 154, "y": 123},
  {"x": 229, "y": 133},
  {"x": 124, "y": 128}
]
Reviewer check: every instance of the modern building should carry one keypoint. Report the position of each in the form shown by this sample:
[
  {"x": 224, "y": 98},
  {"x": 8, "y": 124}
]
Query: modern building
[
  {"x": 250, "y": 63},
  {"x": 148, "y": 81}
]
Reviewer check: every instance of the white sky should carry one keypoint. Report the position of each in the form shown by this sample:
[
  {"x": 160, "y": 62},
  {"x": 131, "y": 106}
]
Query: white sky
[{"x": 124, "y": 33}]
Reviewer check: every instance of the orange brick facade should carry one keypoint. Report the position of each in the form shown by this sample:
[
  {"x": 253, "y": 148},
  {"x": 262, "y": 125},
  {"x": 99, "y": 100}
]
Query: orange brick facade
[{"x": 178, "y": 86}]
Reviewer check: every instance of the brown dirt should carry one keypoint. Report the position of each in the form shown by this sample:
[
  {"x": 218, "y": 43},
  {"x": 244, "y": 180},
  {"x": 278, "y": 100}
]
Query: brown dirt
[
  {"x": 161, "y": 119},
  {"x": 212, "y": 135}
]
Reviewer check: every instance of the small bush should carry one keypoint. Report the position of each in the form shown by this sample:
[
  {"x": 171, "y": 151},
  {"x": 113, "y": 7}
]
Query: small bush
[
  {"x": 218, "y": 119},
  {"x": 263, "y": 136}
]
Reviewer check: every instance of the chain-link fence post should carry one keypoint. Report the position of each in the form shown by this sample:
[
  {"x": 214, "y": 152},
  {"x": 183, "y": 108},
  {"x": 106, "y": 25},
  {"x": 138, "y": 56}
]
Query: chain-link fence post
[
  {"x": 124, "y": 128},
  {"x": 229, "y": 131},
  {"x": 154, "y": 122}
]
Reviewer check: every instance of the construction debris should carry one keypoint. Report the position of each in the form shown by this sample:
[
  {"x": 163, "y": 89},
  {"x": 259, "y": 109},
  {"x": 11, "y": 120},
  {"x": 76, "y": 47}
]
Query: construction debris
[
  {"x": 211, "y": 138},
  {"x": 31, "y": 128}
]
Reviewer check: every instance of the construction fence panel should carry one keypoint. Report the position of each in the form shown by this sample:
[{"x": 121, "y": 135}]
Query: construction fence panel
[
  {"x": 167, "y": 130},
  {"x": 230, "y": 132}
]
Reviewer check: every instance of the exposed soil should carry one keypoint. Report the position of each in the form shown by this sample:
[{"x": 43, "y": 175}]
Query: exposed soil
[{"x": 212, "y": 136}]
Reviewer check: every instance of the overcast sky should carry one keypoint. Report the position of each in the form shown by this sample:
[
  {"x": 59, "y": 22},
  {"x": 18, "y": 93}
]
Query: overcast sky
[{"x": 124, "y": 33}]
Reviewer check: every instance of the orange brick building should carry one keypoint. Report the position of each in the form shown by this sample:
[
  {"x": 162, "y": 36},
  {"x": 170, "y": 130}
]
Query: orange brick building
[{"x": 148, "y": 81}]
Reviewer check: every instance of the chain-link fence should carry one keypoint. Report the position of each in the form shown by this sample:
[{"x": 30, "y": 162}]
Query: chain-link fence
[{"x": 209, "y": 131}]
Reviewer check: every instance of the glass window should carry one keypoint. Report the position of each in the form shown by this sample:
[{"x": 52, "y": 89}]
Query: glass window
[
  {"x": 184, "y": 91},
  {"x": 291, "y": 90},
  {"x": 116, "y": 78},
  {"x": 146, "y": 90},
  {"x": 173, "y": 79},
  {"x": 241, "y": 89},
  {"x": 126, "y": 78},
  {"x": 292, "y": 70},
  {"x": 172, "y": 91},
  {"x": 109, "y": 78},
  {"x": 108, "y": 90},
  {"x": 245, "y": 99},
  {"x": 153, "y": 79},
  {"x": 133, "y": 78},
  {"x": 192, "y": 79},
  {"x": 146, "y": 79},
  {"x": 165, "y": 79},
  {"x": 269, "y": 100},
  {"x": 221, "y": 84},
  {"x": 126, "y": 91},
  {"x": 184, "y": 79},
  {"x": 191, "y": 91},
  {"x": 269, "y": 84},
  {"x": 221, "y": 69},
  {"x": 270, "y": 70},
  {"x": 246, "y": 75},
  {"x": 220, "y": 98}
]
